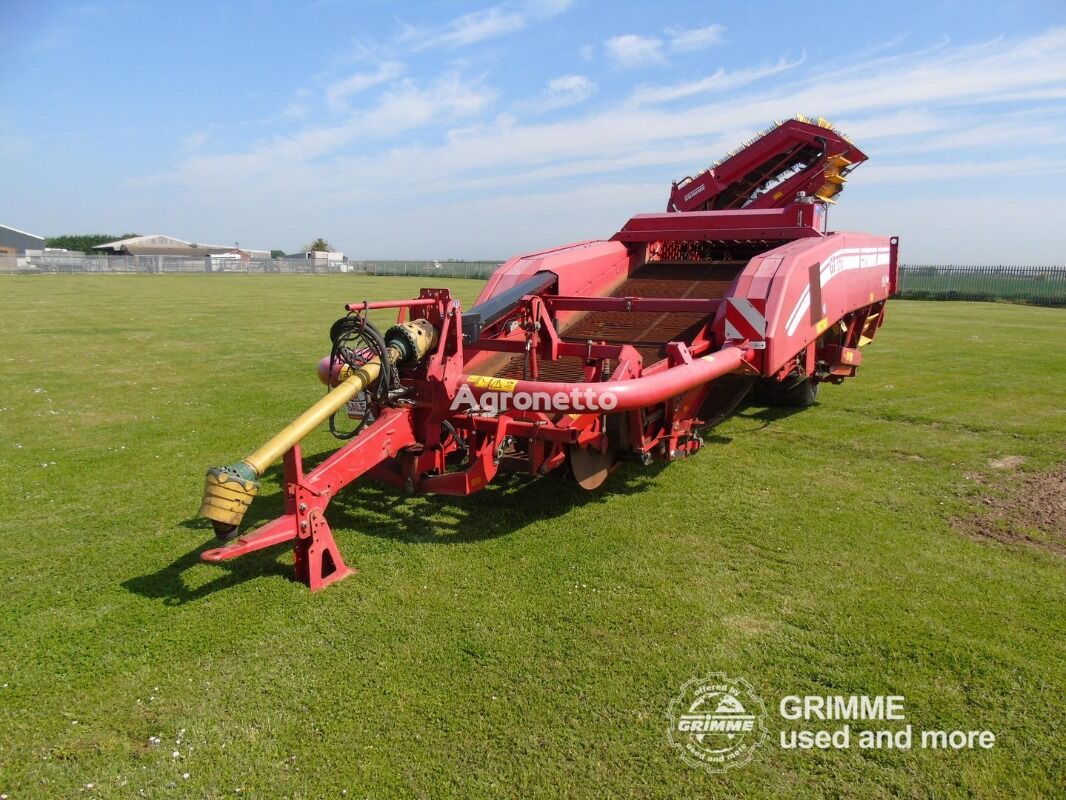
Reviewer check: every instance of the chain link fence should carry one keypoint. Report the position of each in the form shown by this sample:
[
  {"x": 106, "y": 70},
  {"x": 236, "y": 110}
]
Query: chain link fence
[{"x": 1043, "y": 286}]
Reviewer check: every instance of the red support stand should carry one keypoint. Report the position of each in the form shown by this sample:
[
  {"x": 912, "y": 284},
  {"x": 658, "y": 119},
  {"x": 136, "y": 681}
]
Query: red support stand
[{"x": 318, "y": 560}]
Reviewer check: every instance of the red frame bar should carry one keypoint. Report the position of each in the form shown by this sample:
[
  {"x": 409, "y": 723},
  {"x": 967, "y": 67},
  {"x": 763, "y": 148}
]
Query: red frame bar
[
  {"x": 796, "y": 221},
  {"x": 543, "y": 430}
]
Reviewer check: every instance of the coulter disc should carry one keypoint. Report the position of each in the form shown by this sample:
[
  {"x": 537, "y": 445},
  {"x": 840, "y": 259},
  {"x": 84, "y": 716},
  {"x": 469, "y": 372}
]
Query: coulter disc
[{"x": 590, "y": 467}]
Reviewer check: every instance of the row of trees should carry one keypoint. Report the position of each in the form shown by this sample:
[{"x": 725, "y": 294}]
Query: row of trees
[{"x": 83, "y": 242}]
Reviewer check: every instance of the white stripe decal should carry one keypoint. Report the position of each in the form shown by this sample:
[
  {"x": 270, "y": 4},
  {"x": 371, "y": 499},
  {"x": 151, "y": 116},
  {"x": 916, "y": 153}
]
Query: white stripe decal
[{"x": 841, "y": 261}]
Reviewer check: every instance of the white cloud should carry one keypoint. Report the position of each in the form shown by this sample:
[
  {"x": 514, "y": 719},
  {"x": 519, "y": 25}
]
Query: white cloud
[
  {"x": 683, "y": 41},
  {"x": 405, "y": 107},
  {"x": 630, "y": 51},
  {"x": 295, "y": 110},
  {"x": 337, "y": 93},
  {"x": 586, "y": 52},
  {"x": 905, "y": 110},
  {"x": 195, "y": 141},
  {"x": 477, "y": 26},
  {"x": 960, "y": 77},
  {"x": 917, "y": 173},
  {"x": 566, "y": 90},
  {"x": 464, "y": 30},
  {"x": 571, "y": 89},
  {"x": 719, "y": 81}
]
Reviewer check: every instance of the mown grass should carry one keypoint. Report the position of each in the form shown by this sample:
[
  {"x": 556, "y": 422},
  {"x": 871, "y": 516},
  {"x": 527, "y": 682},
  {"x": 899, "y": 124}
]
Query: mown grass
[{"x": 526, "y": 641}]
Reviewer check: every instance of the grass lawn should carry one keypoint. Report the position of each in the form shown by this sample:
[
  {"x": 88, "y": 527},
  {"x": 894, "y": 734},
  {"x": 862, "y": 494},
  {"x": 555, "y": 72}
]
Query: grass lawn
[{"x": 526, "y": 641}]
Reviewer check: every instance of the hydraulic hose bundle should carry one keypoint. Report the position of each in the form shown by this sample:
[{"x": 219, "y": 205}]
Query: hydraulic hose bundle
[{"x": 356, "y": 342}]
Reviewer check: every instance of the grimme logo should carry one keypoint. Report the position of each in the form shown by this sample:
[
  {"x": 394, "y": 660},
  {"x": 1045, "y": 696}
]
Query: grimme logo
[{"x": 717, "y": 722}]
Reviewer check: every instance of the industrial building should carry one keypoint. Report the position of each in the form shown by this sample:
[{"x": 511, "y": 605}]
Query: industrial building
[
  {"x": 159, "y": 245},
  {"x": 16, "y": 242}
]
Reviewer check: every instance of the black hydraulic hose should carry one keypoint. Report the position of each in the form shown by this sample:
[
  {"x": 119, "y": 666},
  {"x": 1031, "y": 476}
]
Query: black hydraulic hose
[{"x": 351, "y": 336}]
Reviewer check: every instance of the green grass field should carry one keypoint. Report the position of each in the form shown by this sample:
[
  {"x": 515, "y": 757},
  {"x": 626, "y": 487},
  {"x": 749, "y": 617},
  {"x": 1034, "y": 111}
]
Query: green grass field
[{"x": 526, "y": 641}]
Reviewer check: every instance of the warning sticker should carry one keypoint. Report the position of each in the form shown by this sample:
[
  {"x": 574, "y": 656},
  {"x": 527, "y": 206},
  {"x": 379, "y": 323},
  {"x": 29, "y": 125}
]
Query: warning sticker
[{"x": 491, "y": 383}]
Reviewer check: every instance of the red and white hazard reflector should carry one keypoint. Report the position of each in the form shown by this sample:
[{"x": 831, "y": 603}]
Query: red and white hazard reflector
[{"x": 746, "y": 320}]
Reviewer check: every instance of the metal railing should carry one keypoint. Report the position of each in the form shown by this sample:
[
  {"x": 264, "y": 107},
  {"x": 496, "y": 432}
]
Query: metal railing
[{"x": 1044, "y": 286}]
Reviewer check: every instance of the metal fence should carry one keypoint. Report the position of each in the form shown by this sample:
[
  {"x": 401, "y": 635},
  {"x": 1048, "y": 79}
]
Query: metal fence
[
  {"x": 444, "y": 269},
  {"x": 73, "y": 263},
  {"x": 1044, "y": 286},
  {"x": 1036, "y": 285}
]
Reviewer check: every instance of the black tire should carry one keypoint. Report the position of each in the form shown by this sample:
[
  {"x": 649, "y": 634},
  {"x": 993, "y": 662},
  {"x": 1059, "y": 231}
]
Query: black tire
[{"x": 795, "y": 391}]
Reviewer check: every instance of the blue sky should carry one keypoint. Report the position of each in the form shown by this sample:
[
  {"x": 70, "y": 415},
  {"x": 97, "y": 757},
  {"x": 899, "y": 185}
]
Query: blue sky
[{"x": 479, "y": 130}]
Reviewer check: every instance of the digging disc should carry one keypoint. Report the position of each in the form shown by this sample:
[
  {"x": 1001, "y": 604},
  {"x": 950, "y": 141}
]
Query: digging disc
[{"x": 590, "y": 467}]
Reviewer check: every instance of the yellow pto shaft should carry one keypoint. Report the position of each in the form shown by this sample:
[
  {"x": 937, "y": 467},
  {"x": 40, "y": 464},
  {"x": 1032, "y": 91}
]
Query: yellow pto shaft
[
  {"x": 299, "y": 428},
  {"x": 229, "y": 490}
]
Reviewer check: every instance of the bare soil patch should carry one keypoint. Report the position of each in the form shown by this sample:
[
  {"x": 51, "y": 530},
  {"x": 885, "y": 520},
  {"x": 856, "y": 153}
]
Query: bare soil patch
[
  {"x": 1007, "y": 462},
  {"x": 1029, "y": 510}
]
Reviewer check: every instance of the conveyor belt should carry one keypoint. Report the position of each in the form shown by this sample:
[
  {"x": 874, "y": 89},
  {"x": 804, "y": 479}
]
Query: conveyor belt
[{"x": 649, "y": 332}]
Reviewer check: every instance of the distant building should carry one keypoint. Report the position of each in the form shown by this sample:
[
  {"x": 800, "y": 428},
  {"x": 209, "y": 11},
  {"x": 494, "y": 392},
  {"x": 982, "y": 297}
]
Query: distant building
[
  {"x": 320, "y": 256},
  {"x": 16, "y": 242},
  {"x": 322, "y": 260},
  {"x": 159, "y": 245},
  {"x": 231, "y": 255}
]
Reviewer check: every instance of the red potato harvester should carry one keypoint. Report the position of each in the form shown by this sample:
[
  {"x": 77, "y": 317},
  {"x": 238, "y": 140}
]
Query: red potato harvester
[{"x": 585, "y": 355}]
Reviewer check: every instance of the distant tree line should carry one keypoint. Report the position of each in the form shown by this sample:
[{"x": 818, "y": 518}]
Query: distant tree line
[{"x": 84, "y": 242}]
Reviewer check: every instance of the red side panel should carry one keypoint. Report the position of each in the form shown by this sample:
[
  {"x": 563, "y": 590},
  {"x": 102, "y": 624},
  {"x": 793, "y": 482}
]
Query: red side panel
[
  {"x": 586, "y": 268},
  {"x": 847, "y": 271}
]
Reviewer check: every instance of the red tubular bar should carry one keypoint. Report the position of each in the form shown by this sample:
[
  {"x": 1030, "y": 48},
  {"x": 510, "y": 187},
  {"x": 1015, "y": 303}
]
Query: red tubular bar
[
  {"x": 633, "y": 393},
  {"x": 366, "y": 305}
]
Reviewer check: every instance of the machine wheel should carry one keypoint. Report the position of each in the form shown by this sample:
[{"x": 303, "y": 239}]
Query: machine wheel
[
  {"x": 724, "y": 396},
  {"x": 796, "y": 391}
]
